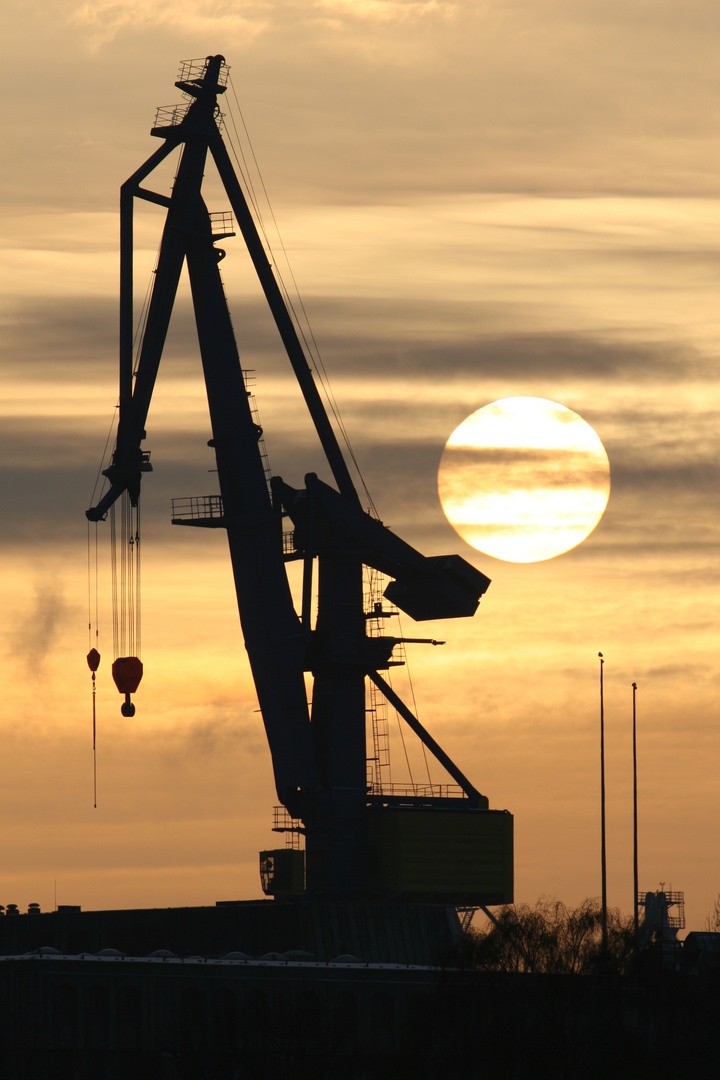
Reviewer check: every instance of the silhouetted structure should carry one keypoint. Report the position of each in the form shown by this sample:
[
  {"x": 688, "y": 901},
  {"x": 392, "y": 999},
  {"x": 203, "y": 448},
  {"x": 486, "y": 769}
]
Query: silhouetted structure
[
  {"x": 377, "y": 931},
  {"x": 664, "y": 915},
  {"x": 163, "y": 1018},
  {"x": 428, "y": 845}
]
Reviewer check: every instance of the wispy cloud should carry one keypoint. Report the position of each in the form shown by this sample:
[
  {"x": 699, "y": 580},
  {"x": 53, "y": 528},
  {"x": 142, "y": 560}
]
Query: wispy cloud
[
  {"x": 34, "y": 631},
  {"x": 102, "y": 20},
  {"x": 388, "y": 11}
]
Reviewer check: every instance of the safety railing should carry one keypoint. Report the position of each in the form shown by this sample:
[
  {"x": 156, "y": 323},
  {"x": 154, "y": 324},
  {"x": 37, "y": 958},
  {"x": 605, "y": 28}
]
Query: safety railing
[
  {"x": 288, "y": 539},
  {"x": 192, "y": 70},
  {"x": 197, "y": 507},
  {"x": 667, "y": 898},
  {"x": 167, "y": 116},
  {"x": 418, "y": 791},
  {"x": 292, "y": 827},
  {"x": 222, "y": 224}
]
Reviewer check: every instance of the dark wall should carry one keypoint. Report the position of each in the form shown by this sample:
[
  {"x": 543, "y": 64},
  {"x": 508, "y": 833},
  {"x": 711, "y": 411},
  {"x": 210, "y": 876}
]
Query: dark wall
[
  {"x": 375, "y": 931},
  {"x": 95, "y": 1018}
]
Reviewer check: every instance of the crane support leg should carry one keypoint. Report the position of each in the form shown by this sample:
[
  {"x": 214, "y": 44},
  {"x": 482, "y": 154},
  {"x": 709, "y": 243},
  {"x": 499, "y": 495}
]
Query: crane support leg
[
  {"x": 336, "y": 853},
  {"x": 272, "y": 631}
]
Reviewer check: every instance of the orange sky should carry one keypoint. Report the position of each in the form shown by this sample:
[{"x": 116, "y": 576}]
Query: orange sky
[{"x": 478, "y": 201}]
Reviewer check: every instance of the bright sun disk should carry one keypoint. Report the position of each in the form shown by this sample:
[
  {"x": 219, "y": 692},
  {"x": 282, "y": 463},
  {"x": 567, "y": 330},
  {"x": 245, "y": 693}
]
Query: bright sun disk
[{"x": 524, "y": 479}]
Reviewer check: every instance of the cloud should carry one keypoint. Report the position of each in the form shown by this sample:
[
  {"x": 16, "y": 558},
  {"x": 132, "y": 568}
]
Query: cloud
[
  {"x": 218, "y": 731},
  {"x": 521, "y": 469},
  {"x": 387, "y": 11},
  {"x": 696, "y": 480},
  {"x": 365, "y": 102},
  {"x": 455, "y": 339},
  {"x": 60, "y": 366},
  {"x": 49, "y": 341},
  {"x": 102, "y": 20},
  {"x": 690, "y": 672},
  {"x": 40, "y": 627}
]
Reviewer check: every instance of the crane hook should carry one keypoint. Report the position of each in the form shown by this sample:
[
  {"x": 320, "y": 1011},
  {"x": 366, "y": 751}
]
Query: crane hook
[{"x": 127, "y": 671}]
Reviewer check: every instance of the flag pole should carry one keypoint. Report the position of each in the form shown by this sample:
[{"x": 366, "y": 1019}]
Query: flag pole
[
  {"x": 603, "y": 861},
  {"x": 635, "y": 818}
]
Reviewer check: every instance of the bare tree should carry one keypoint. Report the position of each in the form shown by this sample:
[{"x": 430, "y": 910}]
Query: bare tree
[
  {"x": 712, "y": 922},
  {"x": 552, "y": 938}
]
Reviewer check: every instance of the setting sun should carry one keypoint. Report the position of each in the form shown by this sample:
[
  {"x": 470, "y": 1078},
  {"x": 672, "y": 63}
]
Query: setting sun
[{"x": 524, "y": 479}]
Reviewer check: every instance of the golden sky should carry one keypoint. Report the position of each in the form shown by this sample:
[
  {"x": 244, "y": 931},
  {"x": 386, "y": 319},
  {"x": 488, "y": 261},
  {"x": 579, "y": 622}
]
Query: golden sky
[{"x": 479, "y": 200}]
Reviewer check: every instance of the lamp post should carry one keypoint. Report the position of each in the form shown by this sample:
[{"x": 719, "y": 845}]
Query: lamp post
[
  {"x": 602, "y": 810},
  {"x": 635, "y": 819}
]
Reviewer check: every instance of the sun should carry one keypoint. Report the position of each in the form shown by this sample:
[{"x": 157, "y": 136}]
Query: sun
[{"x": 524, "y": 479}]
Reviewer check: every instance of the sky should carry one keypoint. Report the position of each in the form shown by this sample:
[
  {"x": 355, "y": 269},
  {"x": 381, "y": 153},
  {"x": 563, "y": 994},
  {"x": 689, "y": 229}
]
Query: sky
[{"x": 478, "y": 201}]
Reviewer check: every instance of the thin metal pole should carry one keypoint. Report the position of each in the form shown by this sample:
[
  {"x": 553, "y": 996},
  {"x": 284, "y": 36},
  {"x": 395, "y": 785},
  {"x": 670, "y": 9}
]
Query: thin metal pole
[
  {"x": 602, "y": 809},
  {"x": 94, "y": 746},
  {"x": 635, "y": 818}
]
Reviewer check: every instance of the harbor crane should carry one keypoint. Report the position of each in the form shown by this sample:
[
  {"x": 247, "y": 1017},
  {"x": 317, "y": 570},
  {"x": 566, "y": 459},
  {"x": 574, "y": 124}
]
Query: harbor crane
[{"x": 431, "y": 846}]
